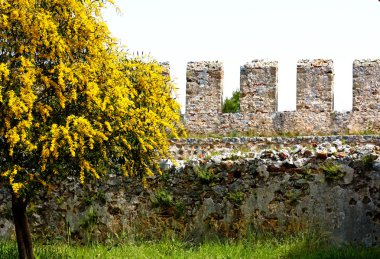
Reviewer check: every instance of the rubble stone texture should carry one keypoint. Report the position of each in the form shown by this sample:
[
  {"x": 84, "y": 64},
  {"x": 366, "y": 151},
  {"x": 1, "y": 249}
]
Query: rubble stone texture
[
  {"x": 188, "y": 148},
  {"x": 258, "y": 87},
  {"x": 366, "y": 85},
  {"x": 204, "y": 88},
  {"x": 258, "y": 116},
  {"x": 288, "y": 189},
  {"x": 315, "y": 85}
]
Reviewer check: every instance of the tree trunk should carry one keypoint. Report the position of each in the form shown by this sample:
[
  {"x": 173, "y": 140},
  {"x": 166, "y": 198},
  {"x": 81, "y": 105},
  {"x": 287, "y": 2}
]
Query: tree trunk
[{"x": 23, "y": 235}]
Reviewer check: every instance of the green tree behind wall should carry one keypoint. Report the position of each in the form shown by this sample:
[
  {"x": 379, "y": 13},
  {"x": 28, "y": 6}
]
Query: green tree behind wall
[{"x": 232, "y": 105}]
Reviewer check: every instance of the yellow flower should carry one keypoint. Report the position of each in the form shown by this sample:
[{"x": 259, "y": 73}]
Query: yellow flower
[{"x": 108, "y": 126}]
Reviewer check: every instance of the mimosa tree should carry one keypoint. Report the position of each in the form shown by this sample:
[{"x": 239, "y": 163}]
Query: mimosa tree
[{"x": 72, "y": 103}]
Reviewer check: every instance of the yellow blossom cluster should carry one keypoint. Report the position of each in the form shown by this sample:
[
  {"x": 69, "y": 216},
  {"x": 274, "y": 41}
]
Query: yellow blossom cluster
[
  {"x": 11, "y": 174},
  {"x": 72, "y": 102}
]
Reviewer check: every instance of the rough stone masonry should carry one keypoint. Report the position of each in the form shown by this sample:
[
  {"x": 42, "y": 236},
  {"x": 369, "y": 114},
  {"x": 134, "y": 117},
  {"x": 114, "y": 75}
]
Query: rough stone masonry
[
  {"x": 258, "y": 106},
  {"x": 228, "y": 187}
]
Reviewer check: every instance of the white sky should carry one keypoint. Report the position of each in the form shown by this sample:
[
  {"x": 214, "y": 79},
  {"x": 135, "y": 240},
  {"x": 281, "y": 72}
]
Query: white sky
[{"x": 239, "y": 31}]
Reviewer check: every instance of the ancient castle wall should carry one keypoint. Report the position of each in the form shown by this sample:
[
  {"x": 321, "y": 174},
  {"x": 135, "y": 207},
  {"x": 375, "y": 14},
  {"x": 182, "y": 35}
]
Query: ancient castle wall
[
  {"x": 204, "y": 88},
  {"x": 258, "y": 109},
  {"x": 366, "y": 85},
  {"x": 315, "y": 85},
  {"x": 245, "y": 185},
  {"x": 258, "y": 87},
  {"x": 204, "y": 94}
]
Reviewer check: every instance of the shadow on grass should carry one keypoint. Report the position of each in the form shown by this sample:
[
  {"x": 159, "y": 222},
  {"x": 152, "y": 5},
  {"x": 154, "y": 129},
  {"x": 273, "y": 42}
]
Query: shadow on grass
[
  {"x": 8, "y": 250},
  {"x": 308, "y": 250}
]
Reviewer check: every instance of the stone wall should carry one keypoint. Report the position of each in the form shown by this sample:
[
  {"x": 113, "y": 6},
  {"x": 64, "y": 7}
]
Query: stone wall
[
  {"x": 315, "y": 85},
  {"x": 314, "y": 114},
  {"x": 366, "y": 86},
  {"x": 190, "y": 148},
  {"x": 258, "y": 83},
  {"x": 204, "y": 88},
  {"x": 330, "y": 184}
]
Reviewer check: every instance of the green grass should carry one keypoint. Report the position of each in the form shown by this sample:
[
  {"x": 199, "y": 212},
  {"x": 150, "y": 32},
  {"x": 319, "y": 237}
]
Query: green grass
[{"x": 300, "y": 247}]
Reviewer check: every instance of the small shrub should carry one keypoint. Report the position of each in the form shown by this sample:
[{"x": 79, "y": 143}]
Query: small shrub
[
  {"x": 166, "y": 202},
  {"x": 307, "y": 173},
  {"x": 368, "y": 160},
  {"x": 332, "y": 170},
  {"x": 236, "y": 197},
  {"x": 204, "y": 175},
  {"x": 163, "y": 198}
]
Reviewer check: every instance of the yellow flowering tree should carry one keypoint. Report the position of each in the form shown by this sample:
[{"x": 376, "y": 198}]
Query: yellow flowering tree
[{"x": 72, "y": 103}]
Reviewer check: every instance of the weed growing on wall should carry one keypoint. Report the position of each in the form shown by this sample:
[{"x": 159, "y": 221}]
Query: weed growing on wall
[
  {"x": 162, "y": 198},
  {"x": 204, "y": 174},
  {"x": 236, "y": 197},
  {"x": 332, "y": 170},
  {"x": 368, "y": 161}
]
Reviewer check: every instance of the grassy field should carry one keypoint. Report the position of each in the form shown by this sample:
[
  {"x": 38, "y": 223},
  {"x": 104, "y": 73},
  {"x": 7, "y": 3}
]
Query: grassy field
[{"x": 299, "y": 247}]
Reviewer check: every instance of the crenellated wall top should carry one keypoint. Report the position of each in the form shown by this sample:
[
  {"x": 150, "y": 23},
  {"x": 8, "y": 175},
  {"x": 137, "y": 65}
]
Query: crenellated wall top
[{"x": 259, "y": 99}]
